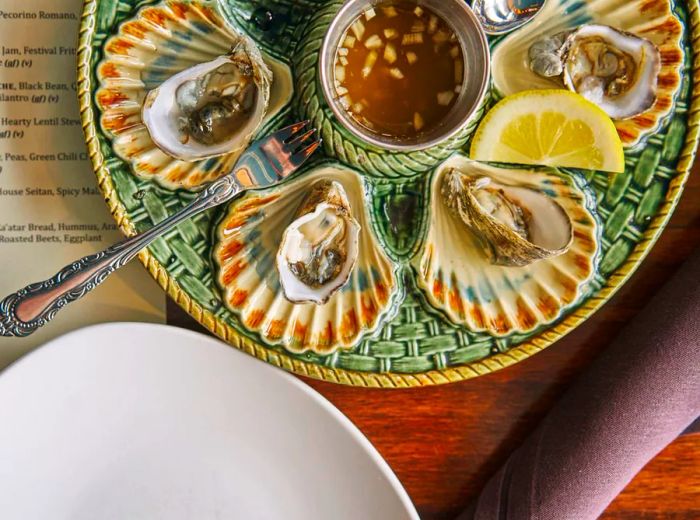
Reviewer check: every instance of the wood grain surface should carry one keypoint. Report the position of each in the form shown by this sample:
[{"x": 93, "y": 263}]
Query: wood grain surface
[
  {"x": 668, "y": 488},
  {"x": 445, "y": 442}
]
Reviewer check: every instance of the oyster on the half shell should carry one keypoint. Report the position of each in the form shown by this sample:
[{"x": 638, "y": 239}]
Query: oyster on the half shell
[
  {"x": 320, "y": 247},
  {"x": 516, "y": 225},
  {"x": 616, "y": 70},
  {"x": 212, "y": 108}
]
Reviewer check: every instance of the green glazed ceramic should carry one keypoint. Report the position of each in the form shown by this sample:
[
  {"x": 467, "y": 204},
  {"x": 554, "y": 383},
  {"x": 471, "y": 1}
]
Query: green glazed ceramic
[{"x": 422, "y": 306}]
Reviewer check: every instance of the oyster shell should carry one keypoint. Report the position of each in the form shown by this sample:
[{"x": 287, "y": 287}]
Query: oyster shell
[
  {"x": 616, "y": 70},
  {"x": 246, "y": 243},
  {"x": 458, "y": 277},
  {"x": 661, "y": 25},
  {"x": 154, "y": 45},
  {"x": 517, "y": 225},
  {"x": 320, "y": 247},
  {"x": 212, "y": 108}
]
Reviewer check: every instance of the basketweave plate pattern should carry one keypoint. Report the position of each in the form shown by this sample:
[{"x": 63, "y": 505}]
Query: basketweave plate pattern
[{"x": 417, "y": 347}]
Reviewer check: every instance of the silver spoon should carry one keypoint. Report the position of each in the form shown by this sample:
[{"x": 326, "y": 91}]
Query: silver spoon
[{"x": 503, "y": 16}]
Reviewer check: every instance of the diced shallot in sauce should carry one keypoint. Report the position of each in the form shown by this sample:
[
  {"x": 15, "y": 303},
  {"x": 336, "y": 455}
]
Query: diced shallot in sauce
[
  {"x": 412, "y": 39},
  {"x": 373, "y": 42},
  {"x": 390, "y": 11},
  {"x": 418, "y": 27},
  {"x": 358, "y": 28},
  {"x": 391, "y": 34},
  {"x": 433, "y": 24},
  {"x": 390, "y": 55},
  {"x": 445, "y": 98},
  {"x": 418, "y": 122},
  {"x": 405, "y": 65},
  {"x": 370, "y": 60},
  {"x": 396, "y": 73}
]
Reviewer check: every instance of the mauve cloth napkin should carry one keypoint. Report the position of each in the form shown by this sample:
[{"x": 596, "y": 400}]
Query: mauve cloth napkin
[{"x": 633, "y": 401}]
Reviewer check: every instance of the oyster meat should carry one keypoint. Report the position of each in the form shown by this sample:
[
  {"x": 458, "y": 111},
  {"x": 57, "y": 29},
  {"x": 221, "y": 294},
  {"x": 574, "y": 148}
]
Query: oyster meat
[
  {"x": 212, "y": 108},
  {"x": 516, "y": 225},
  {"x": 617, "y": 71},
  {"x": 320, "y": 247}
]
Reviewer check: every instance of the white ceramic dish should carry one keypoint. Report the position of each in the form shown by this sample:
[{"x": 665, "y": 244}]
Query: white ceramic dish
[{"x": 133, "y": 421}]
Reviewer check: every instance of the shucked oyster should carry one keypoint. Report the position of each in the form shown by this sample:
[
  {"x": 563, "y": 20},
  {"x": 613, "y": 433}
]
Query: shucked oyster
[
  {"x": 212, "y": 108},
  {"x": 517, "y": 225},
  {"x": 617, "y": 71},
  {"x": 320, "y": 247}
]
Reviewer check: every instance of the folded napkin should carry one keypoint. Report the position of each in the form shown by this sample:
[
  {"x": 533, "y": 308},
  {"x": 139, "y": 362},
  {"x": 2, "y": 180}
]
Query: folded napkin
[{"x": 633, "y": 401}]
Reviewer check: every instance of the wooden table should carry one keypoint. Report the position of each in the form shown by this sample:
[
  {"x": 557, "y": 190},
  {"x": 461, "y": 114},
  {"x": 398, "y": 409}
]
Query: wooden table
[{"x": 445, "y": 442}]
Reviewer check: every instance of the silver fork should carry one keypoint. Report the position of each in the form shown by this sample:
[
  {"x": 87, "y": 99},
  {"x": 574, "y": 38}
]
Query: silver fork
[{"x": 265, "y": 163}]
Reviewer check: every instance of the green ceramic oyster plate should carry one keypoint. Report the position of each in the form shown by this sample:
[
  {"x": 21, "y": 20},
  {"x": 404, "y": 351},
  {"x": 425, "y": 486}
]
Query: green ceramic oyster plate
[{"x": 422, "y": 306}]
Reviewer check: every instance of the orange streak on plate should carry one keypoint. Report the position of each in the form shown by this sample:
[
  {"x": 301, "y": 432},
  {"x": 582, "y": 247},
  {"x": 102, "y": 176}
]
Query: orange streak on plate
[
  {"x": 238, "y": 298},
  {"x": 382, "y": 293},
  {"x": 210, "y": 14},
  {"x": 233, "y": 271},
  {"x": 625, "y": 135},
  {"x": 547, "y": 305},
  {"x": 456, "y": 303},
  {"x": 300, "y": 330},
  {"x": 478, "y": 316},
  {"x": 178, "y": 174},
  {"x": 569, "y": 287},
  {"x": 658, "y": 6},
  {"x": 236, "y": 222},
  {"x": 135, "y": 28},
  {"x": 255, "y": 202},
  {"x": 325, "y": 338},
  {"x": 180, "y": 10},
  {"x": 526, "y": 319},
  {"x": 499, "y": 323},
  {"x": 668, "y": 81},
  {"x": 438, "y": 290},
  {"x": 369, "y": 310},
  {"x": 109, "y": 70},
  {"x": 119, "y": 46},
  {"x": 147, "y": 167},
  {"x": 230, "y": 250},
  {"x": 255, "y": 318},
  {"x": 110, "y": 98},
  {"x": 671, "y": 56},
  {"x": 348, "y": 326},
  {"x": 585, "y": 241},
  {"x": 583, "y": 264},
  {"x": 276, "y": 329},
  {"x": 155, "y": 16}
]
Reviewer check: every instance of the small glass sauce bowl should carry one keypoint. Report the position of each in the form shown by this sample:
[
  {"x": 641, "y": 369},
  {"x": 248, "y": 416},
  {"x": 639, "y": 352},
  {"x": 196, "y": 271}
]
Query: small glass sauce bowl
[{"x": 475, "y": 49}]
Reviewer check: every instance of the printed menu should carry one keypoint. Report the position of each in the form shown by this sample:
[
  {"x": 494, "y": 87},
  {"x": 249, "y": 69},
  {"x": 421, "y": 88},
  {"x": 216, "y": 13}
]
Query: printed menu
[{"x": 51, "y": 211}]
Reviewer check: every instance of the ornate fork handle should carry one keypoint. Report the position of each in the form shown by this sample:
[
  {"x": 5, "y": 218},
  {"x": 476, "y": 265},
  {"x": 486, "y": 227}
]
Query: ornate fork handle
[{"x": 30, "y": 308}]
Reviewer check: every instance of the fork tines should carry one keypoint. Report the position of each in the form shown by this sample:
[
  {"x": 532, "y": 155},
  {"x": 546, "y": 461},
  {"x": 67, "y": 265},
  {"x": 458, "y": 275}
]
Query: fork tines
[{"x": 292, "y": 146}]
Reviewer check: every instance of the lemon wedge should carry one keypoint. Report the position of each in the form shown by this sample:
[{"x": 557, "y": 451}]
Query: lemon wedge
[{"x": 549, "y": 128}]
